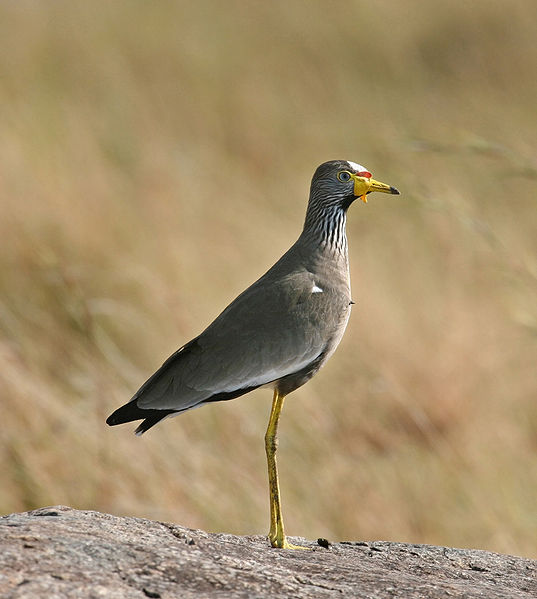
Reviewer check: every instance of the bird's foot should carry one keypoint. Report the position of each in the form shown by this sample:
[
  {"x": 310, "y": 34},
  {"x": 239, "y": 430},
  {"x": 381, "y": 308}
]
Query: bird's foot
[{"x": 281, "y": 542}]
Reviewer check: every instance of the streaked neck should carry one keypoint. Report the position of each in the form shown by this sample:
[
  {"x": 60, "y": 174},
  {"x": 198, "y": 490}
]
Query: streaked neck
[{"x": 325, "y": 226}]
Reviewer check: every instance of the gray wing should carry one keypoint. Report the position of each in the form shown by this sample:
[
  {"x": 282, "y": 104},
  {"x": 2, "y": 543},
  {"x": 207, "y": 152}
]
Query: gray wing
[{"x": 275, "y": 328}]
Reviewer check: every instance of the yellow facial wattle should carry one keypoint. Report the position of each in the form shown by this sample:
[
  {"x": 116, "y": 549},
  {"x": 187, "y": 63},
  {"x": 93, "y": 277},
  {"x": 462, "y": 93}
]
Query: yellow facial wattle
[{"x": 363, "y": 186}]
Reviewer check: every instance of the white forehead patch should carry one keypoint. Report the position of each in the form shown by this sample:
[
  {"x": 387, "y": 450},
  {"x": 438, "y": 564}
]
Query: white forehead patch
[{"x": 357, "y": 167}]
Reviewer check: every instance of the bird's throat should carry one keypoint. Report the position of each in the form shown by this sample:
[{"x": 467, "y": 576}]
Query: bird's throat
[{"x": 325, "y": 226}]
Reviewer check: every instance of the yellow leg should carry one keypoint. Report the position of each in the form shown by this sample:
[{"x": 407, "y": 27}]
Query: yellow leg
[{"x": 276, "y": 535}]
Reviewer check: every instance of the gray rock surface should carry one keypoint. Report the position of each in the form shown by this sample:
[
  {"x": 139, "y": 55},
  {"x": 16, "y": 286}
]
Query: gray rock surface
[{"x": 59, "y": 552}]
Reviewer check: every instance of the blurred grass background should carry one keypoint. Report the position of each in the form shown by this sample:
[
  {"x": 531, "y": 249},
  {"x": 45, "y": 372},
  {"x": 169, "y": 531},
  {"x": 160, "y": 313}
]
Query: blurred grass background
[{"x": 155, "y": 159}]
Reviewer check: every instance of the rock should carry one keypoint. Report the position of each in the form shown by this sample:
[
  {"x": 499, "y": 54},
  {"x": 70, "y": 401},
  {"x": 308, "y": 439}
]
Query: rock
[{"x": 59, "y": 552}]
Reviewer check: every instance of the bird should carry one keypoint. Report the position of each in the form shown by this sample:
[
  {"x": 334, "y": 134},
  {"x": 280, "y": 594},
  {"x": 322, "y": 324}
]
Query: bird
[{"x": 277, "y": 333}]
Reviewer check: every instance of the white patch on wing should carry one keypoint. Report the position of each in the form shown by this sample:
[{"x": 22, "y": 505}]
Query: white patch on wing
[
  {"x": 316, "y": 289},
  {"x": 356, "y": 167}
]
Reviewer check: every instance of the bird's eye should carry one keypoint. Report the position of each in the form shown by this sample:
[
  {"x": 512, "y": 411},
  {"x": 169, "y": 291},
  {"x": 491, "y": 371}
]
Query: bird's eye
[{"x": 344, "y": 176}]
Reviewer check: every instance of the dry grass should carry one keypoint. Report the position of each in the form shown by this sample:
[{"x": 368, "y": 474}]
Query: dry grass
[{"x": 155, "y": 159}]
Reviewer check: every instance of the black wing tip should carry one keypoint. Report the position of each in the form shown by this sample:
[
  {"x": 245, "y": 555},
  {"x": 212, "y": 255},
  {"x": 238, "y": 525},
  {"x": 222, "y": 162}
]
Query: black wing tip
[
  {"x": 130, "y": 411},
  {"x": 126, "y": 413},
  {"x": 113, "y": 419}
]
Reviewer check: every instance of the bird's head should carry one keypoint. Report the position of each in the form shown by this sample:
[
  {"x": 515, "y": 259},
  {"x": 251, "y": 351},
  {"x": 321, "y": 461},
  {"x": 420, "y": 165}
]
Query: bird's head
[{"x": 344, "y": 181}]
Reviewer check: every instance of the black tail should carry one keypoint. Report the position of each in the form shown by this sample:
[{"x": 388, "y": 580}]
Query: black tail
[
  {"x": 162, "y": 380},
  {"x": 130, "y": 411}
]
